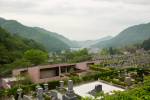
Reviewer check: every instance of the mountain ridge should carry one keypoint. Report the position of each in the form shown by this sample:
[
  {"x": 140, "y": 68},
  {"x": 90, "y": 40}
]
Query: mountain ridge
[
  {"x": 53, "y": 41},
  {"x": 89, "y": 43},
  {"x": 48, "y": 39},
  {"x": 131, "y": 35}
]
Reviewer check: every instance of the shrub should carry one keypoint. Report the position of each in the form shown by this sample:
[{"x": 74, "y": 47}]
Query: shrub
[{"x": 53, "y": 84}]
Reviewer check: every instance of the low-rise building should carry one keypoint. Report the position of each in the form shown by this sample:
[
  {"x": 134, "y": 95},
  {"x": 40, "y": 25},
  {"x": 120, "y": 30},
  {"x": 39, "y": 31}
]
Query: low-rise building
[{"x": 44, "y": 73}]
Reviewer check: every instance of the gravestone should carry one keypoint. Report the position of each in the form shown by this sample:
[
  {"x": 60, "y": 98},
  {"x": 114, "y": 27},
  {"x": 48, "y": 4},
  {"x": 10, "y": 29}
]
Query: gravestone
[
  {"x": 128, "y": 81},
  {"x": 98, "y": 88},
  {"x": 119, "y": 73},
  {"x": 12, "y": 97},
  {"x": 46, "y": 88},
  {"x": 70, "y": 95},
  {"x": 40, "y": 93},
  {"x": 61, "y": 85},
  {"x": 19, "y": 94},
  {"x": 38, "y": 86},
  {"x": 125, "y": 73},
  {"x": 25, "y": 97},
  {"x": 54, "y": 95}
]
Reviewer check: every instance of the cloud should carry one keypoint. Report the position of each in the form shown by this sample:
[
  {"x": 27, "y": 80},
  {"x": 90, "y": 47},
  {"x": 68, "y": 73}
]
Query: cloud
[
  {"x": 76, "y": 19},
  {"x": 139, "y": 2}
]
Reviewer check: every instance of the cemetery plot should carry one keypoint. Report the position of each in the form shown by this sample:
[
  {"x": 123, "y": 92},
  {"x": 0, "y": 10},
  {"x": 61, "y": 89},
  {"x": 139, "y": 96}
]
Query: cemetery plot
[{"x": 85, "y": 89}]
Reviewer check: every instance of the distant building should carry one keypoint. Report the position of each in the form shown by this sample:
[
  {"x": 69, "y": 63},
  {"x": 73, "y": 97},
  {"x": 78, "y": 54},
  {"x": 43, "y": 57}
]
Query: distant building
[
  {"x": 75, "y": 49},
  {"x": 126, "y": 53},
  {"x": 93, "y": 50}
]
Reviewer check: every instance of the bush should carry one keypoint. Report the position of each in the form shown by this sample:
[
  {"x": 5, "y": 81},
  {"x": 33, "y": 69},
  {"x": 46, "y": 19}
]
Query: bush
[
  {"x": 76, "y": 79},
  {"x": 53, "y": 84},
  {"x": 98, "y": 68}
]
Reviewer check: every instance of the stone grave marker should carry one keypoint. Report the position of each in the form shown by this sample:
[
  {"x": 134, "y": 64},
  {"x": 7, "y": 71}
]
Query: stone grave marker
[
  {"x": 54, "y": 95},
  {"x": 19, "y": 94},
  {"x": 98, "y": 88},
  {"x": 128, "y": 81},
  {"x": 70, "y": 95},
  {"x": 45, "y": 88},
  {"x": 40, "y": 93},
  {"x": 25, "y": 97}
]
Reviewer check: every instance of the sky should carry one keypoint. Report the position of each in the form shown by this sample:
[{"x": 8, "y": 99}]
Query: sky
[{"x": 78, "y": 19}]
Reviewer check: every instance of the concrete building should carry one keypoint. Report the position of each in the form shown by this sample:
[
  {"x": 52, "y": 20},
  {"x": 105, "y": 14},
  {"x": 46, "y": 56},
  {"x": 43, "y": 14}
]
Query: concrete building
[{"x": 45, "y": 73}]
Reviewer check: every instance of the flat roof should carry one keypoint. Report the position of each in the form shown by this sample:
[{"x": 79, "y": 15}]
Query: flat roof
[
  {"x": 55, "y": 65},
  {"x": 46, "y": 66}
]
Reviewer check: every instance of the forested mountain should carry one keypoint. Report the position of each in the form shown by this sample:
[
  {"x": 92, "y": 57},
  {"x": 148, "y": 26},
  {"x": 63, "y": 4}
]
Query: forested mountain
[
  {"x": 12, "y": 47},
  {"x": 55, "y": 42},
  {"x": 50, "y": 40},
  {"x": 60, "y": 37},
  {"x": 129, "y": 36}
]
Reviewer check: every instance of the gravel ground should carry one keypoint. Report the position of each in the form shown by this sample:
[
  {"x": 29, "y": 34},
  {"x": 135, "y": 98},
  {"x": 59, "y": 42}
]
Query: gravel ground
[{"x": 83, "y": 90}]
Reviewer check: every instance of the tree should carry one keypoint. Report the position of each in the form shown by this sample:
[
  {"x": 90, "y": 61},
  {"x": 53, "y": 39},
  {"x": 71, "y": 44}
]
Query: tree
[
  {"x": 76, "y": 56},
  {"x": 36, "y": 56},
  {"x": 146, "y": 44},
  {"x": 110, "y": 51},
  {"x": 104, "y": 51}
]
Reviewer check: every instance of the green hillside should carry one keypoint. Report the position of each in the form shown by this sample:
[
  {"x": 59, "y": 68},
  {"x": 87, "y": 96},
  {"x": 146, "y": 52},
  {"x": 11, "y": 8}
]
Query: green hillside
[
  {"x": 12, "y": 47},
  {"x": 129, "y": 36},
  {"x": 50, "y": 40}
]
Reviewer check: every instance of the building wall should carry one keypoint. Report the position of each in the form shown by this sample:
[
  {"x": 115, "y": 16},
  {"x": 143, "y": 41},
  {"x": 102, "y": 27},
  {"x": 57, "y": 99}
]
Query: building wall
[
  {"x": 82, "y": 66},
  {"x": 34, "y": 74},
  {"x": 48, "y": 73},
  {"x": 17, "y": 72},
  {"x": 52, "y": 78}
]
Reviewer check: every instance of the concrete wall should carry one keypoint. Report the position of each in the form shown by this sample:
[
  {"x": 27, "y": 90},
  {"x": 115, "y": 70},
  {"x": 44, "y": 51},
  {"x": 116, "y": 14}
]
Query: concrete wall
[
  {"x": 17, "y": 72},
  {"x": 34, "y": 74},
  {"x": 48, "y": 72},
  {"x": 82, "y": 66}
]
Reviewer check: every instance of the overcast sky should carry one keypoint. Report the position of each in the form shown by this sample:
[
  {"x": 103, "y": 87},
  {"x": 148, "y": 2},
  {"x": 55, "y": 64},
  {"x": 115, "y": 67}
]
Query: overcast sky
[{"x": 78, "y": 19}]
